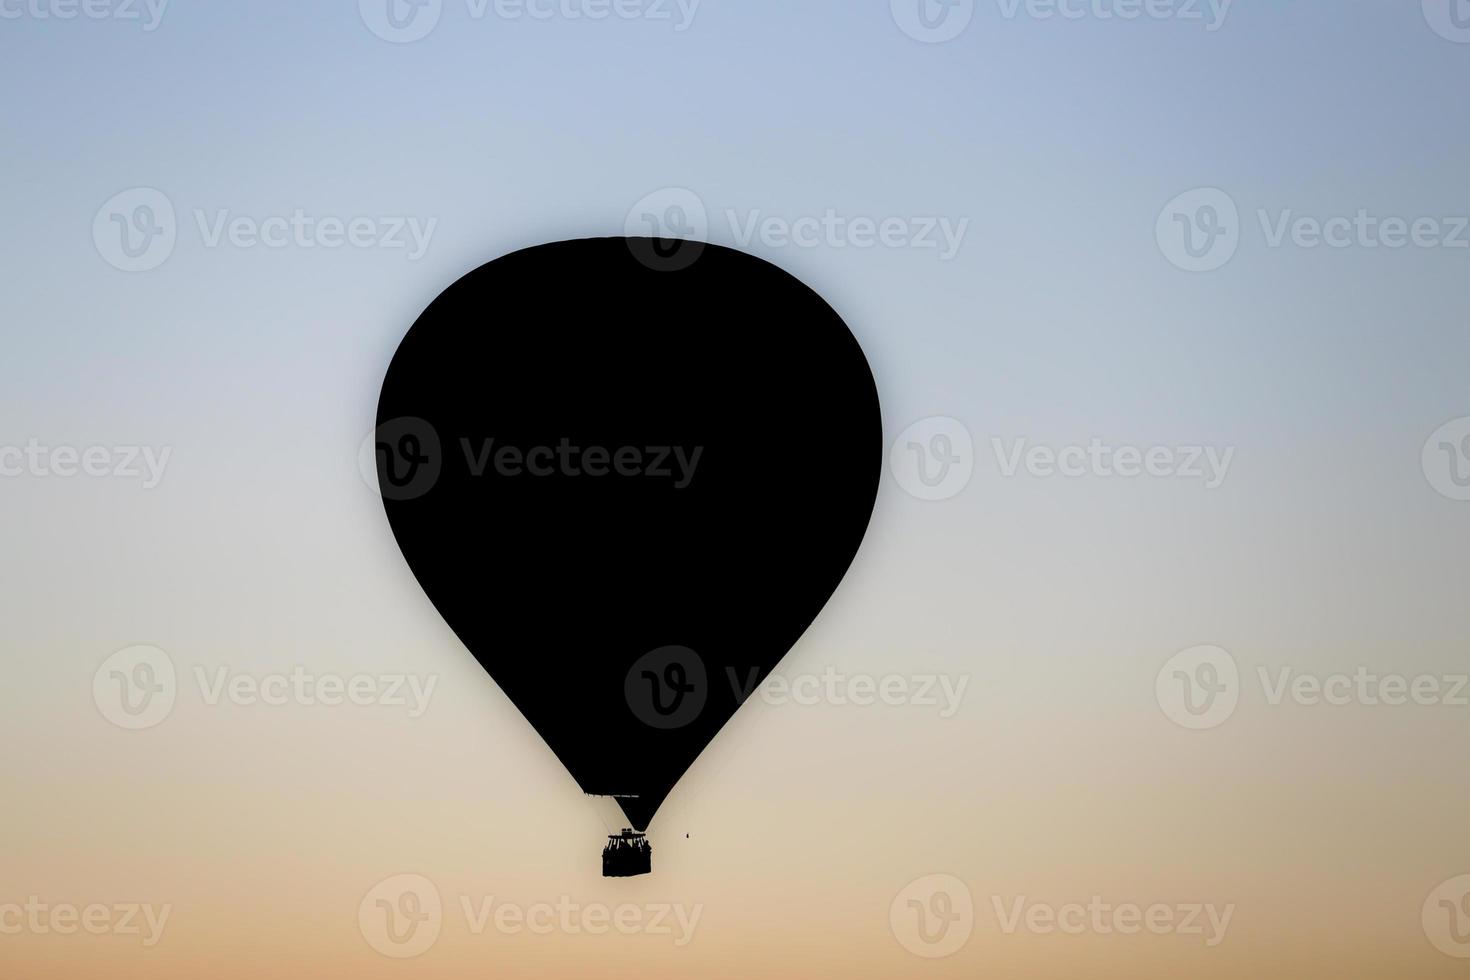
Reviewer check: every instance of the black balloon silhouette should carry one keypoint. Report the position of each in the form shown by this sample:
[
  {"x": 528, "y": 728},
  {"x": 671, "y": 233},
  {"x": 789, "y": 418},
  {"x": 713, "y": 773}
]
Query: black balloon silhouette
[{"x": 629, "y": 485}]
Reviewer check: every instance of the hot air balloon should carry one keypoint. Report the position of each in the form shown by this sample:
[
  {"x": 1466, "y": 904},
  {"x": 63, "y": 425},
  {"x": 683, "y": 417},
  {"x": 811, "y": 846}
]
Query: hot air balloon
[{"x": 629, "y": 486}]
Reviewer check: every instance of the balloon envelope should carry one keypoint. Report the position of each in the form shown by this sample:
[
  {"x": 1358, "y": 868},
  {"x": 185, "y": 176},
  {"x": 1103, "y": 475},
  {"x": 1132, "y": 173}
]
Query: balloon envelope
[{"x": 629, "y": 488}]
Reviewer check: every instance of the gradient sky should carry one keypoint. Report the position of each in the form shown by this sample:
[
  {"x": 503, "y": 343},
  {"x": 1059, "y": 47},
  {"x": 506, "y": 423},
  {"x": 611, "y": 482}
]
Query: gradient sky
[{"x": 1060, "y": 320}]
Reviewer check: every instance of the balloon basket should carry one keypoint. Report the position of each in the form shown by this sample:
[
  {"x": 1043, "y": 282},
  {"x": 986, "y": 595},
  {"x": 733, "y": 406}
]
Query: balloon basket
[{"x": 626, "y": 855}]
